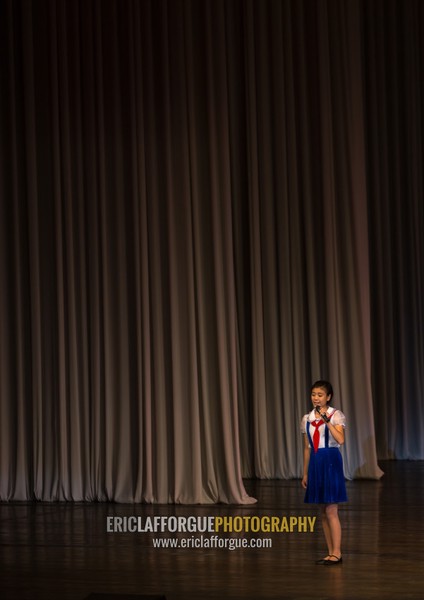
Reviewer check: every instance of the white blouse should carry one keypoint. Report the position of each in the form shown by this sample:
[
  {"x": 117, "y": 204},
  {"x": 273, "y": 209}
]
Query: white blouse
[{"x": 336, "y": 418}]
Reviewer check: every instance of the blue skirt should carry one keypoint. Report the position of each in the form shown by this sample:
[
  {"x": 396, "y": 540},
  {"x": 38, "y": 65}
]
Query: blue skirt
[{"x": 326, "y": 482}]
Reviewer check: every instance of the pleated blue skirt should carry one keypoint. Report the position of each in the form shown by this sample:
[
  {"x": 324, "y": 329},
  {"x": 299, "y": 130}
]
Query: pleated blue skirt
[{"x": 326, "y": 482}]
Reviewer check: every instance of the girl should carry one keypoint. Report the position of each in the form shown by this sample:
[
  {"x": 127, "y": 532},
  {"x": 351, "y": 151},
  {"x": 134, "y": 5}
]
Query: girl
[{"x": 323, "y": 479}]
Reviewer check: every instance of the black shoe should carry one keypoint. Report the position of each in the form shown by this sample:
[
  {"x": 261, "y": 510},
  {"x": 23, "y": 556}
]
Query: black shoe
[
  {"x": 322, "y": 561},
  {"x": 329, "y": 563}
]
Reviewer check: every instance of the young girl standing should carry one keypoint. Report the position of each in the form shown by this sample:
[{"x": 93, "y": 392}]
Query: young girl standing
[{"x": 323, "y": 478}]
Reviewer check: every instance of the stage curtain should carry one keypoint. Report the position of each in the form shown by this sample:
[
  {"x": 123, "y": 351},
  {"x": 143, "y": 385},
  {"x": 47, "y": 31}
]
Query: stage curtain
[
  {"x": 193, "y": 229},
  {"x": 393, "y": 45},
  {"x": 308, "y": 240}
]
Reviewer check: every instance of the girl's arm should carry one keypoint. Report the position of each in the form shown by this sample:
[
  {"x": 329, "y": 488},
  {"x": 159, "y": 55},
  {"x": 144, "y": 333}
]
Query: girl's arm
[
  {"x": 337, "y": 431},
  {"x": 306, "y": 455}
]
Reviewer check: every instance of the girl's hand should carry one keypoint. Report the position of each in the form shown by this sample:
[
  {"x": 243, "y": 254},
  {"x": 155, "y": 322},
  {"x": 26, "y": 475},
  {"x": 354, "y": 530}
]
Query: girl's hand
[
  {"x": 305, "y": 481},
  {"x": 324, "y": 415}
]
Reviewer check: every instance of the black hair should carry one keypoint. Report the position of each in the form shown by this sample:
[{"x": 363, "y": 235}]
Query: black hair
[{"x": 326, "y": 385}]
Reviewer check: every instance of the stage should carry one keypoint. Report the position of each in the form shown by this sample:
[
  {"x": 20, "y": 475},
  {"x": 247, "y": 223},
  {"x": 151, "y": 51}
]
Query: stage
[{"x": 52, "y": 551}]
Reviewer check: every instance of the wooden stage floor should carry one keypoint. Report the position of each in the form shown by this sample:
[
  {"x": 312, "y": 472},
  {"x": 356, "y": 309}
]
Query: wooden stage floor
[{"x": 62, "y": 551}]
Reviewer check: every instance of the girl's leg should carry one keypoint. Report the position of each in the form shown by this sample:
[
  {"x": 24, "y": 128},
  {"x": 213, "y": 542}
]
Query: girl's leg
[
  {"x": 333, "y": 535},
  {"x": 327, "y": 530}
]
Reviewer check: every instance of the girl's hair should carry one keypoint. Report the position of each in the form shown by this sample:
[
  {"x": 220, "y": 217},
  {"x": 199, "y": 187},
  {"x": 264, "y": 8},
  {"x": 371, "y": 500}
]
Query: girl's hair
[{"x": 326, "y": 385}]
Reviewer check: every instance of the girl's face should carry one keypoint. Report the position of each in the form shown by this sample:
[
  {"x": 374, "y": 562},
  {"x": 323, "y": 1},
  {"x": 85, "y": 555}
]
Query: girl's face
[{"x": 319, "y": 397}]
